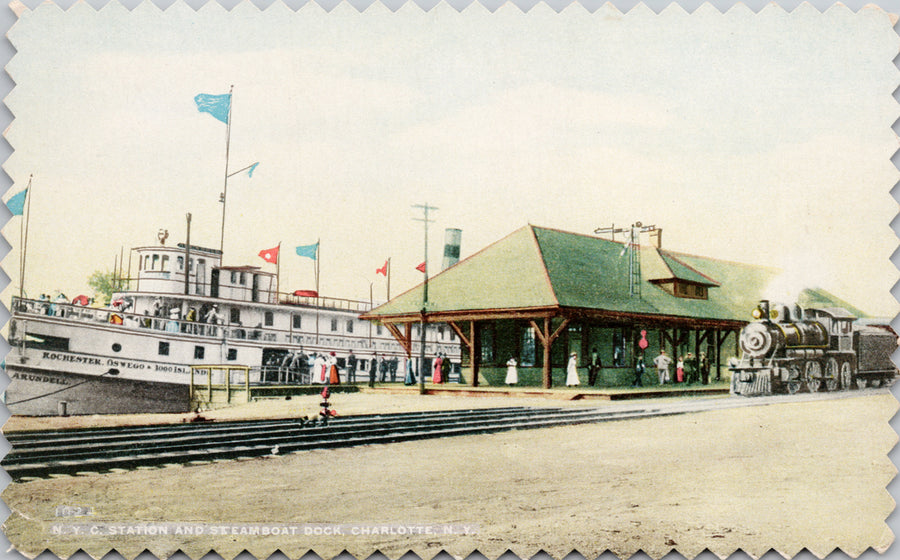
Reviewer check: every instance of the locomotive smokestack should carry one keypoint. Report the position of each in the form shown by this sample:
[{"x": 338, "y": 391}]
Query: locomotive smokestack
[
  {"x": 452, "y": 239},
  {"x": 764, "y": 310}
]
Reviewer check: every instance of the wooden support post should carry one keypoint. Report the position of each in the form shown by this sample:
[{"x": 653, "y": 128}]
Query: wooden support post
[
  {"x": 227, "y": 371},
  {"x": 720, "y": 340},
  {"x": 209, "y": 385},
  {"x": 474, "y": 351},
  {"x": 697, "y": 353},
  {"x": 247, "y": 382},
  {"x": 547, "y": 342},
  {"x": 191, "y": 391},
  {"x": 546, "y": 374},
  {"x": 405, "y": 340}
]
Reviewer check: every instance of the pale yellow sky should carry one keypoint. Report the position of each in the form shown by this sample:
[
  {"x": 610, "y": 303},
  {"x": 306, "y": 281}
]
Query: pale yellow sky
[{"x": 762, "y": 138}]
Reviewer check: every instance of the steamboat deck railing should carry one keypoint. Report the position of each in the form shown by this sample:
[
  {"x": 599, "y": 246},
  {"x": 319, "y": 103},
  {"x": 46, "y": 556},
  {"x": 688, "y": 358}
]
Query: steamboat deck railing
[{"x": 235, "y": 332}]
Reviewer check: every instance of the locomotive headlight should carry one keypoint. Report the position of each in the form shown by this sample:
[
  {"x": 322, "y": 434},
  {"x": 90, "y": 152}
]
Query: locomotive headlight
[
  {"x": 757, "y": 313},
  {"x": 773, "y": 314}
]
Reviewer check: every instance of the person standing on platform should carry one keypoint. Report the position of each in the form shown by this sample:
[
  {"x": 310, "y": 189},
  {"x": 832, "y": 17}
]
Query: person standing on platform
[
  {"x": 406, "y": 368},
  {"x": 373, "y": 370},
  {"x": 662, "y": 366},
  {"x": 594, "y": 367},
  {"x": 382, "y": 369},
  {"x": 446, "y": 367},
  {"x": 351, "y": 367},
  {"x": 320, "y": 375},
  {"x": 691, "y": 372},
  {"x": 436, "y": 373},
  {"x": 334, "y": 376},
  {"x": 639, "y": 370},
  {"x": 704, "y": 368},
  {"x": 392, "y": 367},
  {"x": 512, "y": 372},
  {"x": 572, "y": 370}
]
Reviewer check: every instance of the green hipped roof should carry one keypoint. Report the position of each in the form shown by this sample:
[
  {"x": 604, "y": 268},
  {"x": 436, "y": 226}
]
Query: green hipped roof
[{"x": 540, "y": 267}]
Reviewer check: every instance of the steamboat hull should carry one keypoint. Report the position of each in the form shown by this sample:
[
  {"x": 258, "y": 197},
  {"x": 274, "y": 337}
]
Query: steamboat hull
[{"x": 39, "y": 392}]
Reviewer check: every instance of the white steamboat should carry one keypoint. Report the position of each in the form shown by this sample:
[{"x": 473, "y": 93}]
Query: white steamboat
[{"x": 136, "y": 356}]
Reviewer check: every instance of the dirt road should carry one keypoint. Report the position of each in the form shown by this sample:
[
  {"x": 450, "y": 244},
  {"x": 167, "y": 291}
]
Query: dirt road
[{"x": 788, "y": 476}]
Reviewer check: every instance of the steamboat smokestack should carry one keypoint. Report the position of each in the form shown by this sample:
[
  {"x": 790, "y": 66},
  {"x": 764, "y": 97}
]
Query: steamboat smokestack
[{"x": 452, "y": 238}]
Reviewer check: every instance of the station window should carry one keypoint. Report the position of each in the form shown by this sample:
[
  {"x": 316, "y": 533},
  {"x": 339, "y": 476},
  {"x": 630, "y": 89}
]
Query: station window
[
  {"x": 441, "y": 332},
  {"x": 232, "y": 354},
  {"x": 243, "y": 279},
  {"x": 235, "y": 315},
  {"x": 350, "y": 326},
  {"x": 528, "y": 355},
  {"x": 334, "y": 325},
  {"x": 378, "y": 329},
  {"x": 181, "y": 263},
  {"x": 233, "y": 278},
  {"x": 269, "y": 318},
  {"x": 487, "y": 344},
  {"x": 199, "y": 352},
  {"x": 155, "y": 262},
  {"x": 165, "y": 263},
  {"x": 163, "y": 348},
  {"x": 297, "y": 321}
]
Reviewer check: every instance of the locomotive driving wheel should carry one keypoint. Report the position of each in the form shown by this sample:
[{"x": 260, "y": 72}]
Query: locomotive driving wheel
[
  {"x": 813, "y": 376},
  {"x": 846, "y": 375},
  {"x": 832, "y": 373},
  {"x": 794, "y": 382}
]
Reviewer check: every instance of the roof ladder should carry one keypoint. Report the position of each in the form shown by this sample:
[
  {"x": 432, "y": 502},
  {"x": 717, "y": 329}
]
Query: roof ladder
[{"x": 633, "y": 247}]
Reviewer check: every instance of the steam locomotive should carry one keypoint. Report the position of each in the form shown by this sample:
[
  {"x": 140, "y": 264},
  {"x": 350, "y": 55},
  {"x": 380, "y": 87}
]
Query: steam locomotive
[{"x": 786, "y": 350}]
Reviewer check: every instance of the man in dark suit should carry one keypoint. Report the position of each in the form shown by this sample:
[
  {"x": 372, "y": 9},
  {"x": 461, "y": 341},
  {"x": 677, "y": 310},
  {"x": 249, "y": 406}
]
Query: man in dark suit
[
  {"x": 594, "y": 367},
  {"x": 373, "y": 370}
]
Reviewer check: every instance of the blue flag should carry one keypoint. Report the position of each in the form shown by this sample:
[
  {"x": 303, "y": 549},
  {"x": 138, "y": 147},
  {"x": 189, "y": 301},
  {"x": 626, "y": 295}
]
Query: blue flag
[
  {"x": 252, "y": 169},
  {"x": 309, "y": 251},
  {"x": 216, "y": 105},
  {"x": 16, "y": 204}
]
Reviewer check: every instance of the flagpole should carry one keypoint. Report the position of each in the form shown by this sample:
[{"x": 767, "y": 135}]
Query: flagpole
[
  {"x": 23, "y": 237},
  {"x": 317, "y": 290},
  {"x": 225, "y": 188},
  {"x": 278, "y": 272},
  {"x": 389, "y": 279}
]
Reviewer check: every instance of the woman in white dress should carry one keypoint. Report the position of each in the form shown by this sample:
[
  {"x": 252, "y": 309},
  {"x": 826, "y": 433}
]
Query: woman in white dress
[
  {"x": 512, "y": 374},
  {"x": 572, "y": 370},
  {"x": 319, "y": 368}
]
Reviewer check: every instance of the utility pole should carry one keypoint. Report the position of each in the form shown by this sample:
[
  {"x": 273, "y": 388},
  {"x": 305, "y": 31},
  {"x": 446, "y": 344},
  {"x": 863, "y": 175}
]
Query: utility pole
[
  {"x": 187, "y": 256},
  {"x": 425, "y": 209}
]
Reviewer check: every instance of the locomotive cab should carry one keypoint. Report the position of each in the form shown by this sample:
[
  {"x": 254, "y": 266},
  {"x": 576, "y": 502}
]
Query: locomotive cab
[{"x": 838, "y": 322}]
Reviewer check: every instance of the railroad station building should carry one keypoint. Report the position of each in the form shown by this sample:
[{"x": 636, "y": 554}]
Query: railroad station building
[{"x": 539, "y": 294}]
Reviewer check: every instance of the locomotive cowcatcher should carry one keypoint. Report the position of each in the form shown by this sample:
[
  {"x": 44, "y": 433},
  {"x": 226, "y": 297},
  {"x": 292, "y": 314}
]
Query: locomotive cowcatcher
[{"x": 786, "y": 350}]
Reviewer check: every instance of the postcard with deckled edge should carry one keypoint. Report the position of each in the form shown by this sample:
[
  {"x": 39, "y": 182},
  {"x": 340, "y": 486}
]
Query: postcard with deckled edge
[{"x": 450, "y": 280}]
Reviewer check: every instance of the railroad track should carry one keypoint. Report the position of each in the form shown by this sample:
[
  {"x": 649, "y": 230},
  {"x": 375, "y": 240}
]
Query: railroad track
[{"x": 98, "y": 450}]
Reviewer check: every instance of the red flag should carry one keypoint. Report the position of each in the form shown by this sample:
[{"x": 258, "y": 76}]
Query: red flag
[
  {"x": 270, "y": 255},
  {"x": 306, "y": 293},
  {"x": 421, "y": 267},
  {"x": 383, "y": 270}
]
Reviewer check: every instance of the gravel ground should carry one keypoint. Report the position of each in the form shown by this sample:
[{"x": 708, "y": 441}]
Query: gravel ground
[{"x": 783, "y": 476}]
